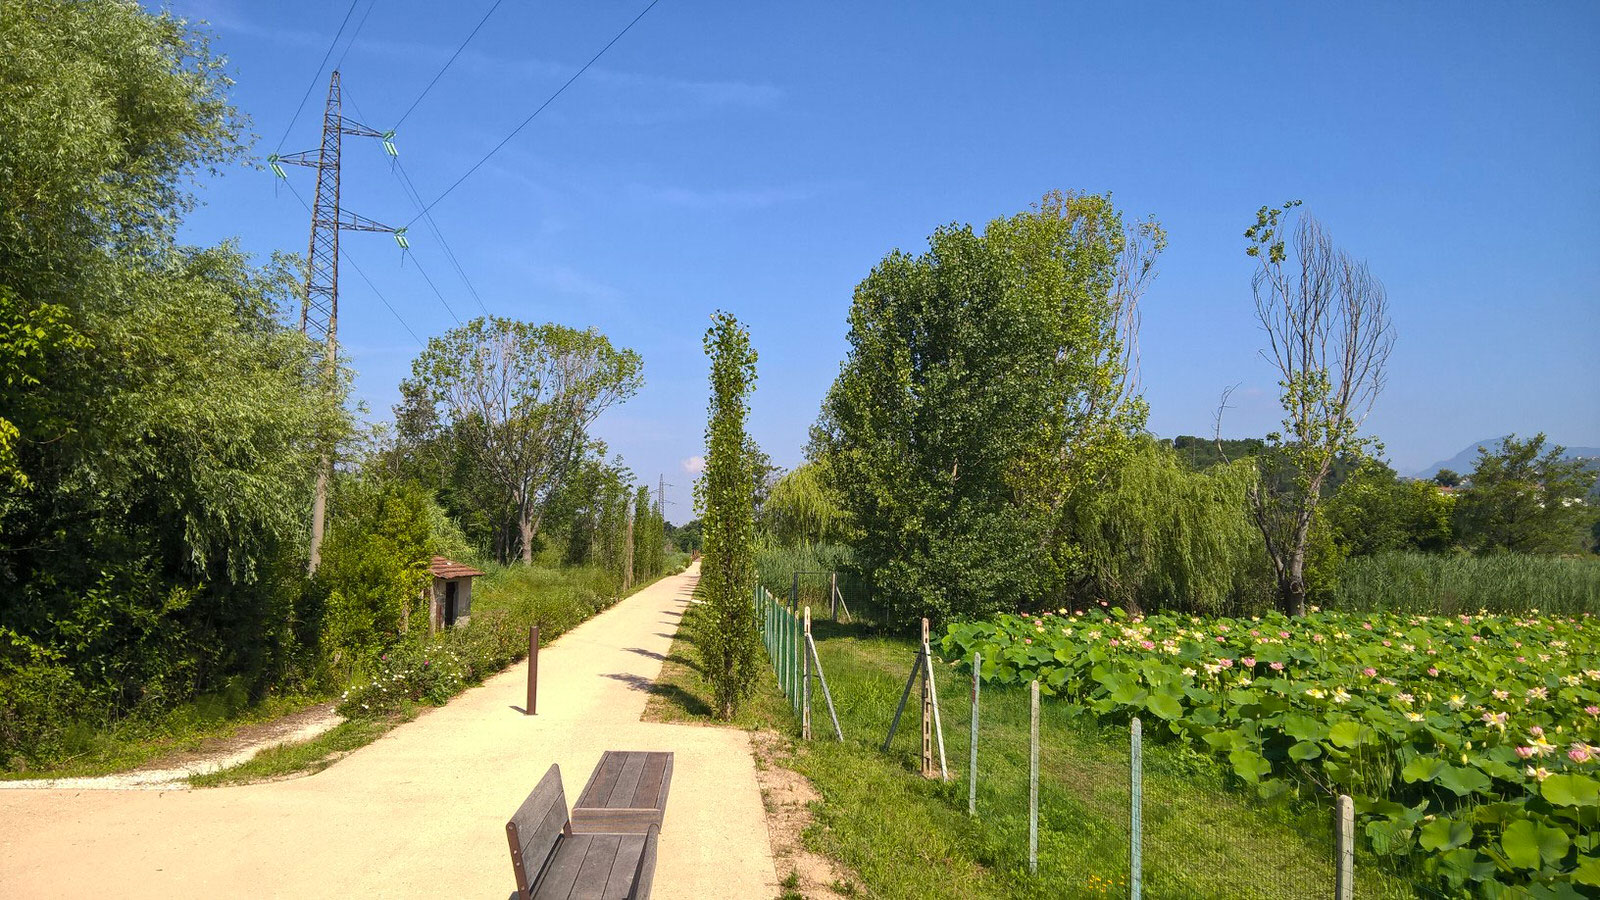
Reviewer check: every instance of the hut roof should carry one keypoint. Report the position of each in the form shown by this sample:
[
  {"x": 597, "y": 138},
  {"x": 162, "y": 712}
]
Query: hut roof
[{"x": 448, "y": 568}]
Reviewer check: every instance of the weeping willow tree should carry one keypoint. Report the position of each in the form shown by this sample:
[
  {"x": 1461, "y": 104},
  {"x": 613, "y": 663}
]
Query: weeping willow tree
[
  {"x": 804, "y": 509},
  {"x": 1159, "y": 535}
]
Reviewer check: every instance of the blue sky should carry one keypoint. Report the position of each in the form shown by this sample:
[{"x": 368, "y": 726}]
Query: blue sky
[{"x": 762, "y": 157}]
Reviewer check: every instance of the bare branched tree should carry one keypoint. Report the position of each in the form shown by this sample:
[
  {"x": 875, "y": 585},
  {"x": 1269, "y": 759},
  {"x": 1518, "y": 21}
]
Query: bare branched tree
[{"x": 1328, "y": 333}]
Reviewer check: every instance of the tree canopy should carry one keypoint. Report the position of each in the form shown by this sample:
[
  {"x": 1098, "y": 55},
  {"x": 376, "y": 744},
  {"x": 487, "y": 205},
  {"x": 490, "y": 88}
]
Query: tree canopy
[{"x": 988, "y": 379}]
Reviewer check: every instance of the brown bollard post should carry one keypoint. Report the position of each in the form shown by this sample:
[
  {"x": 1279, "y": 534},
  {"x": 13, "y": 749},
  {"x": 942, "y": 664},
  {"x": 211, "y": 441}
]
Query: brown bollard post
[{"x": 533, "y": 671}]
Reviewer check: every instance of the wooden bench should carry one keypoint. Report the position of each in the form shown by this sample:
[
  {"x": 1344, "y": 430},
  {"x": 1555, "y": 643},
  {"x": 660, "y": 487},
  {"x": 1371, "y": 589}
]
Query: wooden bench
[
  {"x": 553, "y": 863},
  {"x": 626, "y": 794}
]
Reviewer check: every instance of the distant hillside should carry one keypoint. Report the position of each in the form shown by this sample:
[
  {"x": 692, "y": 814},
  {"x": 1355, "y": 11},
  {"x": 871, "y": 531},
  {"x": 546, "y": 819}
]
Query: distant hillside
[{"x": 1465, "y": 461}]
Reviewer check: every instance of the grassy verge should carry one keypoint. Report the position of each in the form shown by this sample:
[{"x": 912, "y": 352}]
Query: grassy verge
[
  {"x": 509, "y": 598},
  {"x": 906, "y": 836},
  {"x": 134, "y": 742},
  {"x": 306, "y": 757}
]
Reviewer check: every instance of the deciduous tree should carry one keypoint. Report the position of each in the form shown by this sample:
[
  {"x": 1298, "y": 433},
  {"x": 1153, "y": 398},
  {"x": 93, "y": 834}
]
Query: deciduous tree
[
  {"x": 728, "y": 642},
  {"x": 1326, "y": 318},
  {"x": 518, "y": 399}
]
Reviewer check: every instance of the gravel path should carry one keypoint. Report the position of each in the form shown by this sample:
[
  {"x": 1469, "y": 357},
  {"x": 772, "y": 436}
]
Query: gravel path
[
  {"x": 421, "y": 811},
  {"x": 172, "y": 773}
]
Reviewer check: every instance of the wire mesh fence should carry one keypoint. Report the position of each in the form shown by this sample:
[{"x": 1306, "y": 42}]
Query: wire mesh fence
[{"x": 1184, "y": 829}]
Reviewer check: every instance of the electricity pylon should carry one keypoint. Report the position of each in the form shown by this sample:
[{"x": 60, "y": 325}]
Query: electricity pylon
[{"x": 319, "y": 311}]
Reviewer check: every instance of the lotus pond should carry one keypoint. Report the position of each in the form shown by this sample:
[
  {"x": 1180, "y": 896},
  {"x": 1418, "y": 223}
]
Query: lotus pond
[{"x": 1469, "y": 743}]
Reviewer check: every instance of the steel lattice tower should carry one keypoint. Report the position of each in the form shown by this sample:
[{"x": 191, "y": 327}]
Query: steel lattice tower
[{"x": 319, "y": 310}]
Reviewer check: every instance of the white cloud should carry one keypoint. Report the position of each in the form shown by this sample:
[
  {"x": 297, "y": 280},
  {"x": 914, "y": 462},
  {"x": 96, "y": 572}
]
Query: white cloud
[{"x": 694, "y": 465}]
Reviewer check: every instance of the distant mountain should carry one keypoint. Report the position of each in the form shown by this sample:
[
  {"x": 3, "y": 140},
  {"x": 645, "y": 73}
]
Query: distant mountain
[{"x": 1465, "y": 461}]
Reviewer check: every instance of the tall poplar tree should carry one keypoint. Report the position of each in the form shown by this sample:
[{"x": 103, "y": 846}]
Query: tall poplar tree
[{"x": 728, "y": 642}]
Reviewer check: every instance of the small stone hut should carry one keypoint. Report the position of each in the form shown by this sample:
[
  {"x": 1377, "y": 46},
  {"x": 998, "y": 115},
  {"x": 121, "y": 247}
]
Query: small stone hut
[{"x": 450, "y": 599}]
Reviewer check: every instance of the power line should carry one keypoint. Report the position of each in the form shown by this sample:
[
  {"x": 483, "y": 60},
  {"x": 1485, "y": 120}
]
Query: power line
[
  {"x": 462, "y": 46},
  {"x": 410, "y": 190},
  {"x": 317, "y": 74},
  {"x": 355, "y": 34},
  {"x": 547, "y": 102},
  {"x": 438, "y": 234},
  {"x": 379, "y": 294}
]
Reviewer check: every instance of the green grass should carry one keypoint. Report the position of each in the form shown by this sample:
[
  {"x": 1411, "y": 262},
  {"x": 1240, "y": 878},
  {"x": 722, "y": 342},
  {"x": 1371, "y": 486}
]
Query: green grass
[
  {"x": 1457, "y": 583},
  {"x": 99, "y": 749},
  {"x": 906, "y": 836},
  {"x": 306, "y": 757}
]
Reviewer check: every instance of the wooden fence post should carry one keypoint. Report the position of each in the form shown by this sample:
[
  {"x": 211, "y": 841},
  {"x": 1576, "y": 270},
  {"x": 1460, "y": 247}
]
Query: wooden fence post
[
  {"x": 972, "y": 744},
  {"x": 533, "y": 672},
  {"x": 933, "y": 702},
  {"x": 1344, "y": 864},
  {"x": 805, "y": 683}
]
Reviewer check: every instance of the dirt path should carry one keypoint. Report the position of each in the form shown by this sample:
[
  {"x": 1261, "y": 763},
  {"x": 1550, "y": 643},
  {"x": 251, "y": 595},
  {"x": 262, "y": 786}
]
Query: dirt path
[
  {"x": 422, "y": 811},
  {"x": 171, "y": 773}
]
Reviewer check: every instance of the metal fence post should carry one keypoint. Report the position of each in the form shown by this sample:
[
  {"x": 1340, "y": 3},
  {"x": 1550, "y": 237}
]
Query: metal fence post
[
  {"x": 1344, "y": 863},
  {"x": 1136, "y": 813},
  {"x": 972, "y": 744},
  {"x": 805, "y": 683},
  {"x": 1033, "y": 776}
]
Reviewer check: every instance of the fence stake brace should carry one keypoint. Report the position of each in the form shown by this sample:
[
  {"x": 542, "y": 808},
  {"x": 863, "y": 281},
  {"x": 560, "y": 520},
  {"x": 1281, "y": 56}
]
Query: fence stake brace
[{"x": 805, "y": 682}]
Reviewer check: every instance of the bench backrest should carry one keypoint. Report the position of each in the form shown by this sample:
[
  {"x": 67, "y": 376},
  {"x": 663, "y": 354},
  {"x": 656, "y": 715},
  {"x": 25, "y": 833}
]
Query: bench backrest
[
  {"x": 536, "y": 829},
  {"x": 645, "y": 872}
]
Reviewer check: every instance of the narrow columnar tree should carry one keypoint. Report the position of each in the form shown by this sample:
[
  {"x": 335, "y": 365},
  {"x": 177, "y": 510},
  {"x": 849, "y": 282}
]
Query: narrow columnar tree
[{"x": 728, "y": 640}]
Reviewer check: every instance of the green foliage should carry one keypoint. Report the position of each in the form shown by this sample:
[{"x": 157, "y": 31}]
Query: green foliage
[
  {"x": 986, "y": 383},
  {"x": 1374, "y": 512},
  {"x": 1156, "y": 535},
  {"x": 508, "y": 405},
  {"x": 729, "y": 644},
  {"x": 1526, "y": 499},
  {"x": 1454, "y": 583},
  {"x": 1484, "y": 722},
  {"x": 375, "y": 567},
  {"x": 153, "y": 487},
  {"x": 804, "y": 507}
]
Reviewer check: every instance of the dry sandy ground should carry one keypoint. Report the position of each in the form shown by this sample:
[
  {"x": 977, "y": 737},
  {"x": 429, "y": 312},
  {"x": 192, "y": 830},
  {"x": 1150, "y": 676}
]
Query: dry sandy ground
[{"x": 422, "y": 811}]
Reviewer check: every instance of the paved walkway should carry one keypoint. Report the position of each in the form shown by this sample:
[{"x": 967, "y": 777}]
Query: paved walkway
[{"x": 422, "y": 811}]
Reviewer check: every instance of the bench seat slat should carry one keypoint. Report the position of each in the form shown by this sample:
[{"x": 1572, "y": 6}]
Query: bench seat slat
[
  {"x": 596, "y": 869},
  {"x": 619, "y": 885},
  {"x": 621, "y": 796},
  {"x": 561, "y": 879}
]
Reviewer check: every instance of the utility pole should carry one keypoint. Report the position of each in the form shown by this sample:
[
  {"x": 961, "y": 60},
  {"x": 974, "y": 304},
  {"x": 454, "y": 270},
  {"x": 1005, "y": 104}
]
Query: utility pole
[
  {"x": 661, "y": 498},
  {"x": 319, "y": 311}
]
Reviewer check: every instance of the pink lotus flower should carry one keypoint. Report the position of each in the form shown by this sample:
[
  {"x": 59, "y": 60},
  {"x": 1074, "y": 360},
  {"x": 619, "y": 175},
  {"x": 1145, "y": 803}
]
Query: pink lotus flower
[
  {"x": 1221, "y": 639},
  {"x": 1255, "y": 633},
  {"x": 1477, "y": 639},
  {"x": 1536, "y": 731},
  {"x": 1386, "y": 643},
  {"x": 1248, "y": 660},
  {"x": 1524, "y": 752},
  {"x": 1433, "y": 671},
  {"x": 1277, "y": 667},
  {"x": 1283, "y": 634},
  {"x": 1148, "y": 645},
  {"x": 1367, "y": 625},
  {"x": 1115, "y": 642},
  {"x": 1369, "y": 671},
  {"x": 1030, "y": 640},
  {"x": 1581, "y": 753},
  {"x": 1225, "y": 663},
  {"x": 1592, "y": 710}
]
